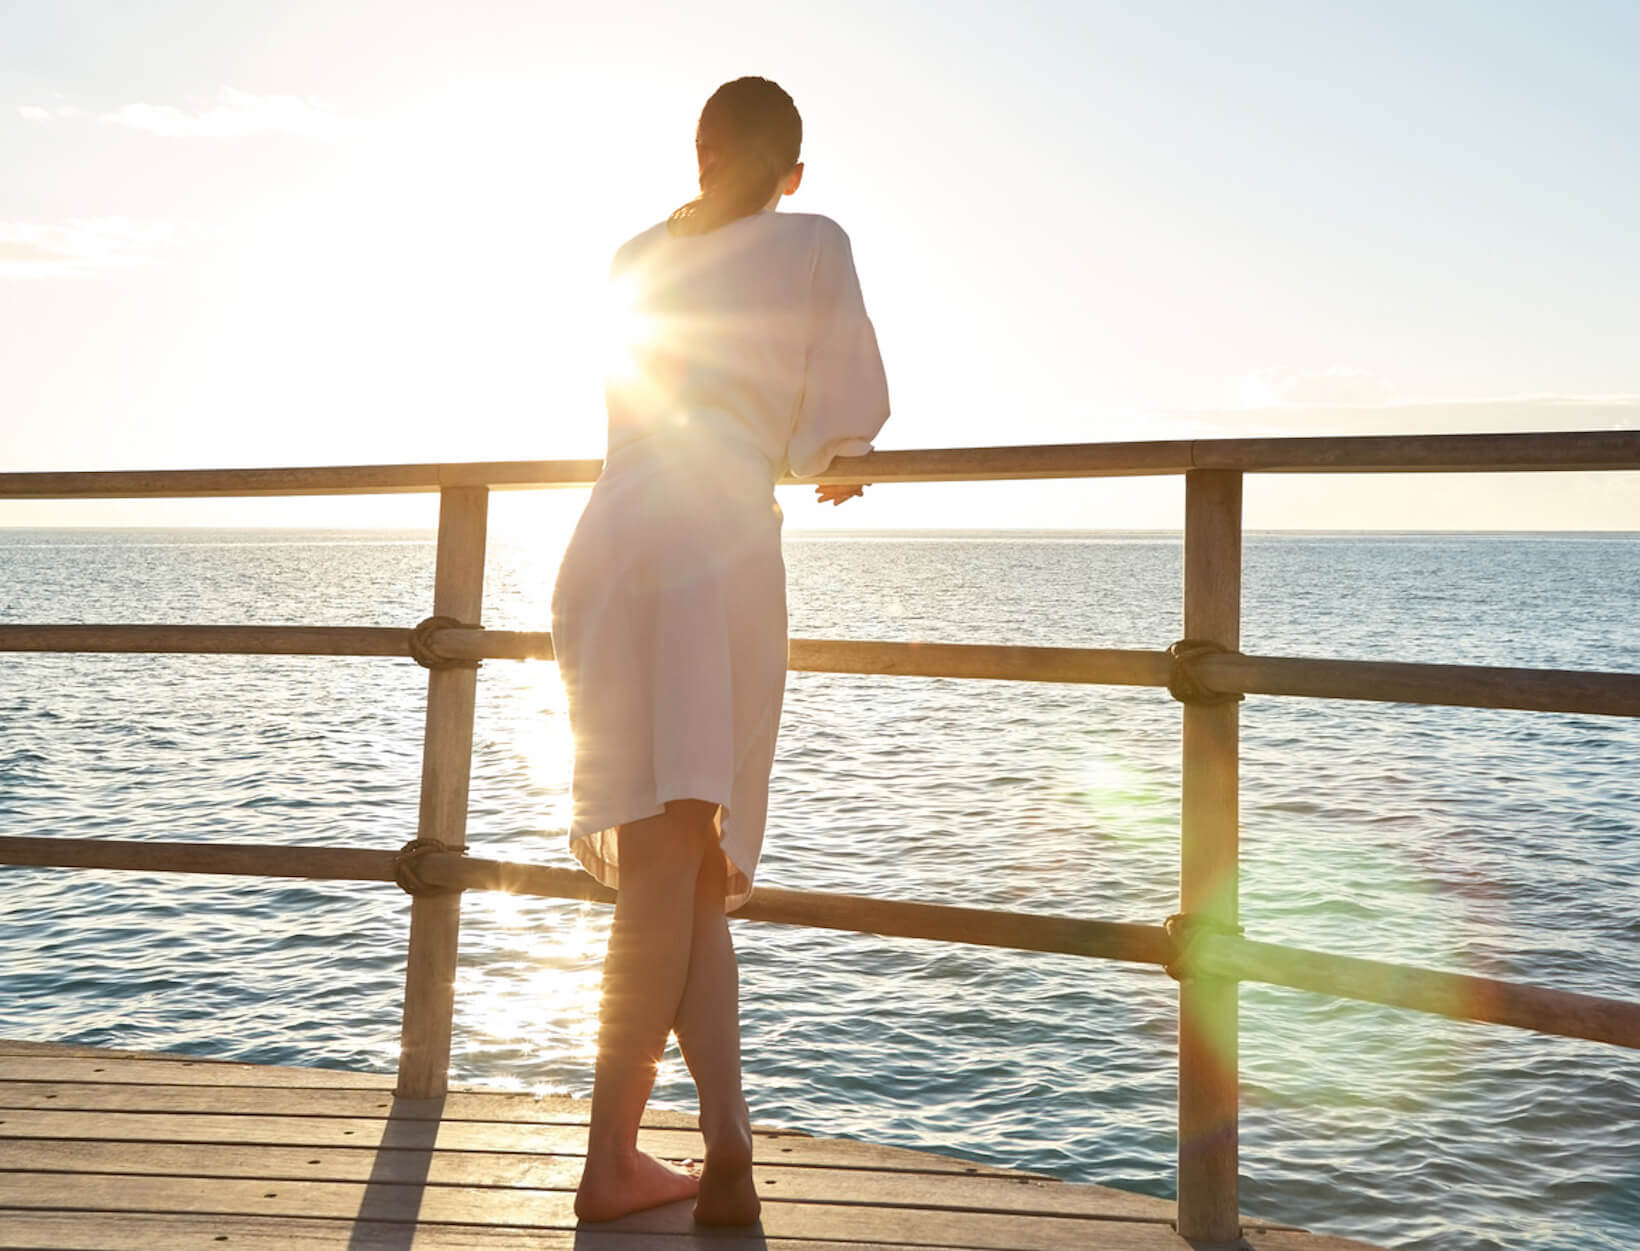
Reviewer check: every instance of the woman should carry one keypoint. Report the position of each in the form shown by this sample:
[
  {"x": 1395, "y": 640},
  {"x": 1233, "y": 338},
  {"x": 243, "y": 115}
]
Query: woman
[{"x": 748, "y": 352}]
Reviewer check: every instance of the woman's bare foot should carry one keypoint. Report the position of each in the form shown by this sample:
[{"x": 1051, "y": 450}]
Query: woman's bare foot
[
  {"x": 613, "y": 1187},
  {"x": 727, "y": 1193}
]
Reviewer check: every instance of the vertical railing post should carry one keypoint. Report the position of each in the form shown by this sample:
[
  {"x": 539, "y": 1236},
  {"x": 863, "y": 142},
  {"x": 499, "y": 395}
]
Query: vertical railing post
[
  {"x": 1209, "y": 1205},
  {"x": 446, "y": 766}
]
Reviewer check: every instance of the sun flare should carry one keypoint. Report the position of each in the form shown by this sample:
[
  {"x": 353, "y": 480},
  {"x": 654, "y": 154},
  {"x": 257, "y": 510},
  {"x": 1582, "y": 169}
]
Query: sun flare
[{"x": 626, "y": 330}]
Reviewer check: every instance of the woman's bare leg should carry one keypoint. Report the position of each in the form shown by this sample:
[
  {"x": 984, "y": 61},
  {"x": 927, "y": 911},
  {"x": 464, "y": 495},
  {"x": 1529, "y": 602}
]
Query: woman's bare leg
[
  {"x": 644, "y": 975},
  {"x": 708, "y": 1027}
]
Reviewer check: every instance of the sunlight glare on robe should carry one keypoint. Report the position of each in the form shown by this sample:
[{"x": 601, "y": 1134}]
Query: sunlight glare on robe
[{"x": 745, "y": 352}]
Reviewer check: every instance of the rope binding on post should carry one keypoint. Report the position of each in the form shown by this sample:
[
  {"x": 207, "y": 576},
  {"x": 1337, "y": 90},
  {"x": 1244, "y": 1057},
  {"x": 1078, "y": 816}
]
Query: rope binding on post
[
  {"x": 1182, "y": 682},
  {"x": 404, "y": 867},
  {"x": 427, "y": 655},
  {"x": 1186, "y": 929}
]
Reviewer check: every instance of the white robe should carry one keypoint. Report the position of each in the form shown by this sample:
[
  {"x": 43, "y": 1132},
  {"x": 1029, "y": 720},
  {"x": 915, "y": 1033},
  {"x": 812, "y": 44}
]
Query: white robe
[{"x": 748, "y": 352}]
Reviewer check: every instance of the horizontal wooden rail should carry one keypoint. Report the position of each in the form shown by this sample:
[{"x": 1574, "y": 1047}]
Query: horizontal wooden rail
[
  {"x": 1424, "y": 453},
  {"x": 309, "y": 480},
  {"x": 892, "y": 918},
  {"x": 1094, "y": 665},
  {"x": 1455, "y": 995},
  {"x": 1458, "y": 686},
  {"x": 1111, "y": 940},
  {"x": 1463, "y": 686},
  {"x": 209, "y": 640},
  {"x": 340, "y": 864}
]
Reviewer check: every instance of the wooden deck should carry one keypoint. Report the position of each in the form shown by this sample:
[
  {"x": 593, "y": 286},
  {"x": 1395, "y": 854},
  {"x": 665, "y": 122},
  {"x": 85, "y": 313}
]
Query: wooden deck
[{"x": 120, "y": 1151}]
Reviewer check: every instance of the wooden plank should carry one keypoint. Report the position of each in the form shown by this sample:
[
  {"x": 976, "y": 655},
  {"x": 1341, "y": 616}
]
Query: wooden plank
[
  {"x": 1257, "y": 1239},
  {"x": 346, "y": 1202},
  {"x": 508, "y": 1208},
  {"x": 162, "y": 1075},
  {"x": 76, "y": 1231},
  {"x": 235, "y": 1100},
  {"x": 164, "y": 1069},
  {"x": 90, "y": 1231},
  {"x": 1208, "y": 851},
  {"x": 20, "y": 1047},
  {"x": 957, "y": 1191},
  {"x": 804, "y": 1225},
  {"x": 673, "y": 1144},
  {"x": 447, "y": 755}
]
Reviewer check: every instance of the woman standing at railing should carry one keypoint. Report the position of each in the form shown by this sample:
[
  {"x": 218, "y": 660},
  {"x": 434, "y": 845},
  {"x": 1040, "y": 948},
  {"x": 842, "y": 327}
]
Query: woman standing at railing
[{"x": 745, "y": 349}]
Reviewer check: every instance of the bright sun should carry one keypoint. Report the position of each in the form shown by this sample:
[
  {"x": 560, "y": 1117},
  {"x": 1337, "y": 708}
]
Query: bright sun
[{"x": 626, "y": 330}]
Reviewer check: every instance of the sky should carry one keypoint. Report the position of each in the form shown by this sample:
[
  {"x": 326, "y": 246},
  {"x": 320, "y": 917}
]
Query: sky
[{"x": 327, "y": 232}]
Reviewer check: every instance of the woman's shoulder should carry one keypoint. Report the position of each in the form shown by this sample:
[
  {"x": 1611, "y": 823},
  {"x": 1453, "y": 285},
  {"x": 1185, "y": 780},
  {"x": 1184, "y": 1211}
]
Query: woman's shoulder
[
  {"x": 820, "y": 238},
  {"x": 638, "y": 244},
  {"x": 814, "y": 231},
  {"x": 816, "y": 224}
]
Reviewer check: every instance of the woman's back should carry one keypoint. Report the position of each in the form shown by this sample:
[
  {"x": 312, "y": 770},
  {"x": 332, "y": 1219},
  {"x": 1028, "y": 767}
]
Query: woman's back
[
  {"x": 746, "y": 349},
  {"x": 753, "y": 335}
]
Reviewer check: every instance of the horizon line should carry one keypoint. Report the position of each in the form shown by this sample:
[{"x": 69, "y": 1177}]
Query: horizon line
[{"x": 852, "y": 531}]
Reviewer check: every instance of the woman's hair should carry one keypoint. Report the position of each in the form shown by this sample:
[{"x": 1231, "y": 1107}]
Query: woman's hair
[{"x": 748, "y": 139}]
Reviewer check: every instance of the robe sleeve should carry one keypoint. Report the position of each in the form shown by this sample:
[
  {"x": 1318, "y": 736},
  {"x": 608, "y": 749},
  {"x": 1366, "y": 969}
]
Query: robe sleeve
[{"x": 845, "y": 392}]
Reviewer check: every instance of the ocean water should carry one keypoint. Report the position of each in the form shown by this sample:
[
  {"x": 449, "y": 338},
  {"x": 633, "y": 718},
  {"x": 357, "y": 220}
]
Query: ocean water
[{"x": 1504, "y": 843}]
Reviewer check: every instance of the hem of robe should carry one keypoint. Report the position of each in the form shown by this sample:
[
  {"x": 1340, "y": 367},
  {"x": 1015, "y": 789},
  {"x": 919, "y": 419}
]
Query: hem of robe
[{"x": 595, "y": 844}]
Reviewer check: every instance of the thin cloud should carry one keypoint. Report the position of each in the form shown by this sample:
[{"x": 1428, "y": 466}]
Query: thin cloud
[
  {"x": 46, "y": 113},
  {"x": 74, "y": 249},
  {"x": 1339, "y": 386},
  {"x": 1496, "y": 415},
  {"x": 235, "y": 115}
]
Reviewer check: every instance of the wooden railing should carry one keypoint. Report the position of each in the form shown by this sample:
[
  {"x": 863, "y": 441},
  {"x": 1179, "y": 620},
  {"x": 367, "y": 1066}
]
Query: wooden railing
[{"x": 1202, "y": 946}]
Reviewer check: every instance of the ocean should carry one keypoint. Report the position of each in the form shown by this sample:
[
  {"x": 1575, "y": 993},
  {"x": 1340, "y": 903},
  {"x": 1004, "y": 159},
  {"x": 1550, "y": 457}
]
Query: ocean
[{"x": 1496, "y": 842}]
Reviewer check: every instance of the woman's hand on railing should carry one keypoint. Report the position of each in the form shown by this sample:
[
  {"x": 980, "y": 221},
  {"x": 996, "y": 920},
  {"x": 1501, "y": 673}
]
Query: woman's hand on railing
[{"x": 837, "y": 492}]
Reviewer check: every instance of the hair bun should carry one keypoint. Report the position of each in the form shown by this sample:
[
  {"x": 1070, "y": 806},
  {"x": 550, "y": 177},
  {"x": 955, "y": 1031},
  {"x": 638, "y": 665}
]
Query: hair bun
[{"x": 749, "y": 135}]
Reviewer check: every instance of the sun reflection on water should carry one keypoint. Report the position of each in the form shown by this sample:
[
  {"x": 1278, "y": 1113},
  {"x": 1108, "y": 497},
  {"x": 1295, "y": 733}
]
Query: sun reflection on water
[{"x": 531, "y": 997}]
